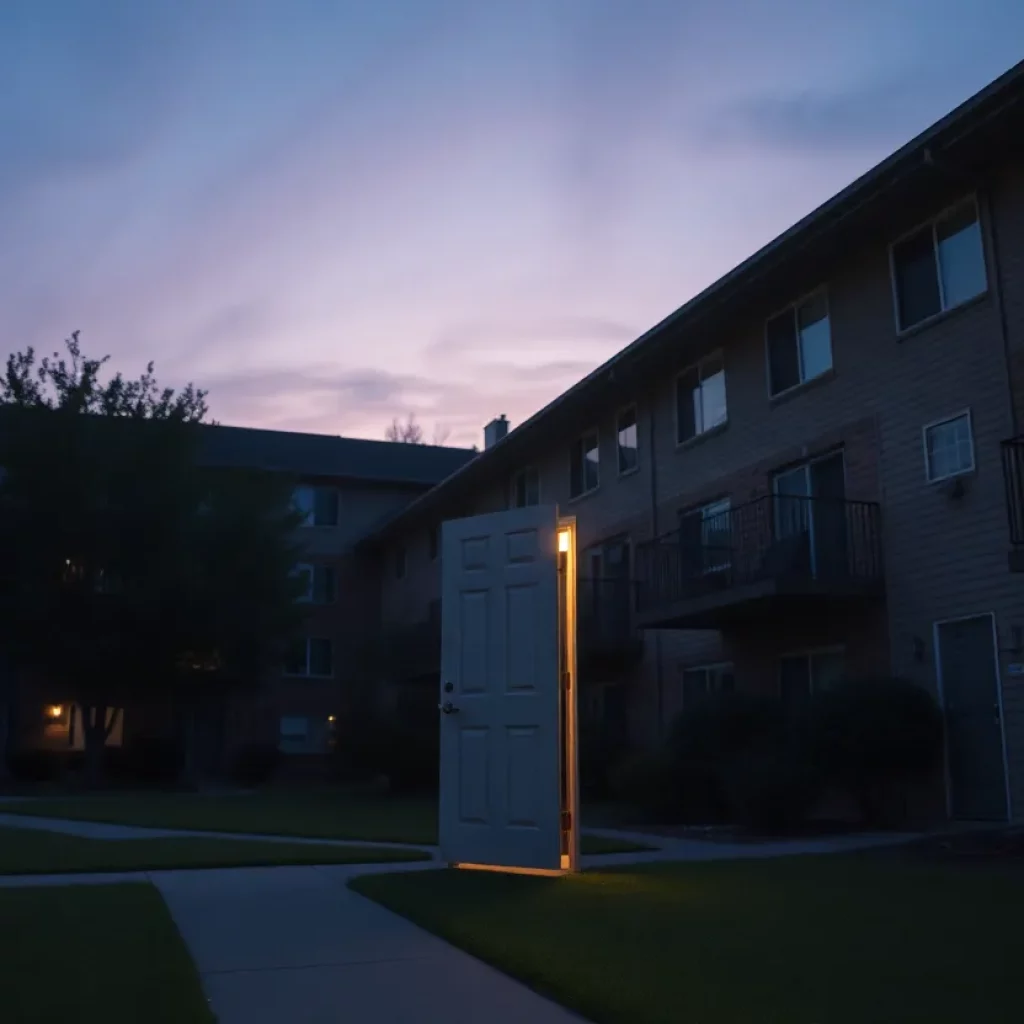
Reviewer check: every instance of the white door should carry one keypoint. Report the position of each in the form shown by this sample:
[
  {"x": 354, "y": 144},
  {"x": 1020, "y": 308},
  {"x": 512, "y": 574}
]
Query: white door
[{"x": 500, "y": 797}]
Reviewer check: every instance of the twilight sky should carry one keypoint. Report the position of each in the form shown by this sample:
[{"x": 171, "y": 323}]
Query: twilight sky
[{"x": 328, "y": 213}]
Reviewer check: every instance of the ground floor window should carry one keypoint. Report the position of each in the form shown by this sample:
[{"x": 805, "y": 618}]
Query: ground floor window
[
  {"x": 807, "y": 672},
  {"x": 306, "y": 734},
  {"x": 704, "y": 679}
]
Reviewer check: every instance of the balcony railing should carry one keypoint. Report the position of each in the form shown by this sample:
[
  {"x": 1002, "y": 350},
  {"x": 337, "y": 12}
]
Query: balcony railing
[
  {"x": 607, "y": 639},
  {"x": 1013, "y": 478},
  {"x": 777, "y": 543}
]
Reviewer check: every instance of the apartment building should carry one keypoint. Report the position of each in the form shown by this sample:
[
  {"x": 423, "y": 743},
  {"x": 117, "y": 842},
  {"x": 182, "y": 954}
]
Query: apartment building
[
  {"x": 344, "y": 486},
  {"x": 800, "y": 474}
]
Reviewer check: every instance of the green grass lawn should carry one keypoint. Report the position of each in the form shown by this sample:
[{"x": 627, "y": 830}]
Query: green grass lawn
[
  {"x": 105, "y": 954},
  {"x": 34, "y": 851},
  {"x": 796, "y": 941},
  {"x": 320, "y": 814}
]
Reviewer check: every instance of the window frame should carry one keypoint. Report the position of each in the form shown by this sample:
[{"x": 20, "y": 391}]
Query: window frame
[
  {"x": 309, "y": 522},
  {"x": 307, "y": 674},
  {"x": 514, "y": 479},
  {"x": 634, "y": 409},
  {"x": 808, "y": 653},
  {"x": 932, "y": 222},
  {"x": 794, "y": 308},
  {"x": 309, "y": 595},
  {"x": 718, "y": 353},
  {"x": 578, "y": 440},
  {"x": 924, "y": 443}
]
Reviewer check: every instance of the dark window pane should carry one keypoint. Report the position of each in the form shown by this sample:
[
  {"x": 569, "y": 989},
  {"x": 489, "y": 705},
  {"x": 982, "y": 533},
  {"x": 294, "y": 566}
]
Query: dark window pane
[
  {"x": 917, "y": 280},
  {"x": 815, "y": 337},
  {"x": 627, "y": 441},
  {"x": 325, "y": 509},
  {"x": 320, "y": 663},
  {"x": 783, "y": 359},
  {"x": 591, "y": 463},
  {"x": 712, "y": 405},
  {"x": 960, "y": 255},
  {"x": 531, "y": 487},
  {"x": 576, "y": 469},
  {"x": 687, "y": 404},
  {"x": 691, "y": 541}
]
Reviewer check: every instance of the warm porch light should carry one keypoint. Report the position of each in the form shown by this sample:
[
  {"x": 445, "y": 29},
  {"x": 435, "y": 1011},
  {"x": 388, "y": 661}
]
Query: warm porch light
[
  {"x": 563, "y": 540},
  {"x": 330, "y": 718},
  {"x": 54, "y": 710}
]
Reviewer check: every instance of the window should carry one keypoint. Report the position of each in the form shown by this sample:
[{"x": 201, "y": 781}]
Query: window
[
  {"x": 312, "y": 656},
  {"x": 293, "y": 734},
  {"x": 802, "y": 674},
  {"x": 524, "y": 488},
  {"x": 939, "y": 266},
  {"x": 318, "y": 505},
  {"x": 705, "y": 679},
  {"x": 435, "y": 541},
  {"x": 319, "y": 583},
  {"x": 706, "y": 536},
  {"x": 948, "y": 448},
  {"x": 700, "y": 398},
  {"x": 629, "y": 451},
  {"x": 584, "y": 465},
  {"x": 799, "y": 344},
  {"x": 400, "y": 560}
]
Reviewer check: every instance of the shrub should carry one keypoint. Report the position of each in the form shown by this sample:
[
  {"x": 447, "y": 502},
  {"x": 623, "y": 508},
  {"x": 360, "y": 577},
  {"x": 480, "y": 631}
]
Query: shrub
[
  {"x": 770, "y": 787},
  {"x": 144, "y": 760},
  {"x": 255, "y": 764},
  {"x": 644, "y": 780},
  {"x": 871, "y": 736},
  {"x": 36, "y": 765}
]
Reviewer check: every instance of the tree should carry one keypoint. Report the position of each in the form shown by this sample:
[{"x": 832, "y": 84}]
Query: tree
[
  {"x": 441, "y": 434},
  {"x": 134, "y": 573},
  {"x": 409, "y": 432}
]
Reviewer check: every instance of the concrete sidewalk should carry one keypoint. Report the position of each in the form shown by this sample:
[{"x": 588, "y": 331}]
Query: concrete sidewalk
[{"x": 295, "y": 946}]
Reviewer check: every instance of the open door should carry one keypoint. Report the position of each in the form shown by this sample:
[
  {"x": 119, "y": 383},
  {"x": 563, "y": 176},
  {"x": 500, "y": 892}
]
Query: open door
[{"x": 507, "y": 692}]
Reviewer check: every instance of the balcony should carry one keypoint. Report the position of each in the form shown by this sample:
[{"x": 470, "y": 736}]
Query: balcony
[
  {"x": 777, "y": 554},
  {"x": 607, "y": 640},
  {"x": 1013, "y": 478}
]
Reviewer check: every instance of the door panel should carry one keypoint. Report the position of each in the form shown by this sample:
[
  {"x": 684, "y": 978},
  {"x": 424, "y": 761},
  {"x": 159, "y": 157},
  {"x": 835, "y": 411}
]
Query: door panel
[
  {"x": 501, "y": 771},
  {"x": 970, "y": 696}
]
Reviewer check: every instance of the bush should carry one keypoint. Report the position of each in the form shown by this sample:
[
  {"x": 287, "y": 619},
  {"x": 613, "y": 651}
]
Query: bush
[
  {"x": 770, "y": 787},
  {"x": 872, "y": 736},
  {"x": 255, "y": 764},
  {"x": 144, "y": 760},
  {"x": 645, "y": 780},
  {"x": 37, "y": 765}
]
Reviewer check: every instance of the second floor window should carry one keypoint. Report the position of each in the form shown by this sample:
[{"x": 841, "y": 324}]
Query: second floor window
[
  {"x": 312, "y": 657},
  {"x": 948, "y": 448},
  {"x": 799, "y": 344},
  {"x": 584, "y": 465},
  {"x": 319, "y": 583},
  {"x": 628, "y": 442},
  {"x": 318, "y": 505},
  {"x": 700, "y": 398},
  {"x": 939, "y": 266},
  {"x": 524, "y": 488}
]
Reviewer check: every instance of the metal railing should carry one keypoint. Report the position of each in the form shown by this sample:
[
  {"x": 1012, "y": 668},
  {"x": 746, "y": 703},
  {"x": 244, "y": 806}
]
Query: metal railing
[
  {"x": 1013, "y": 479},
  {"x": 775, "y": 538}
]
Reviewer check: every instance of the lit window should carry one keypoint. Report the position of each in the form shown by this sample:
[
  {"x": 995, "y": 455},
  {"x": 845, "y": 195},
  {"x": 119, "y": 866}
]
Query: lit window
[
  {"x": 700, "y": 398},
  {"x": 626, "y": 430},
  {"x": 584, "y": 465},
  {"x": 799, "y": 344},
  {"x": 939, "y": 266},
  {"x": 949, "y": 448}
]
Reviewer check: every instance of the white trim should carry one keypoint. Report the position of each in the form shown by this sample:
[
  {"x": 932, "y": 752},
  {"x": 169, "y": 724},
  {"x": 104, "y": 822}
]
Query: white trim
[
  {"x": 939, "y": 423},
  {"x": 596, "y": 433},
  {"x": 636, "y": 426},
  {"x": 794, "y": 308},
  {"x": 937, "y": 650},
  {"x": 718, "y": 353},
  {"x": 932, "y": 222}
]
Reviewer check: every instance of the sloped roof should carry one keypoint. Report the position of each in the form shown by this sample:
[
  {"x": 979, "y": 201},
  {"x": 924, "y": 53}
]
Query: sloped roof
[{"x": 330, "y": 455}]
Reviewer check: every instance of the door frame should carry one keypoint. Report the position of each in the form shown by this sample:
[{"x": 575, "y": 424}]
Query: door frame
[
  {"x": 568, "y": 572},
  {"x": 937, "y": 649}
]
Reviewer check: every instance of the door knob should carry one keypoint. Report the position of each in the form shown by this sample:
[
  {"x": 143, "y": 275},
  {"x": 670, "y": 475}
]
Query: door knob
[{"x": 447, "y": 708}]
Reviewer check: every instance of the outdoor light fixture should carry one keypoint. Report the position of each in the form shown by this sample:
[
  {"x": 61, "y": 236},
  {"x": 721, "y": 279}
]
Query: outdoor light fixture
[
  {"x": 54, "y": 710},
  {"x": 563, "y": 540},
  {"x": 330, "y": 718}
]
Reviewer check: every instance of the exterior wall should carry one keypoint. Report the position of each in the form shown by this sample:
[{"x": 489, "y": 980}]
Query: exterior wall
[{"x": 945, "y": 557}]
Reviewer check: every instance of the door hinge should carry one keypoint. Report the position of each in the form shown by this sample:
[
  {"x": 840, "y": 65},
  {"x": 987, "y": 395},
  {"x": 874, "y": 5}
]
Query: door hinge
[{"x": 566, "y": 821}]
